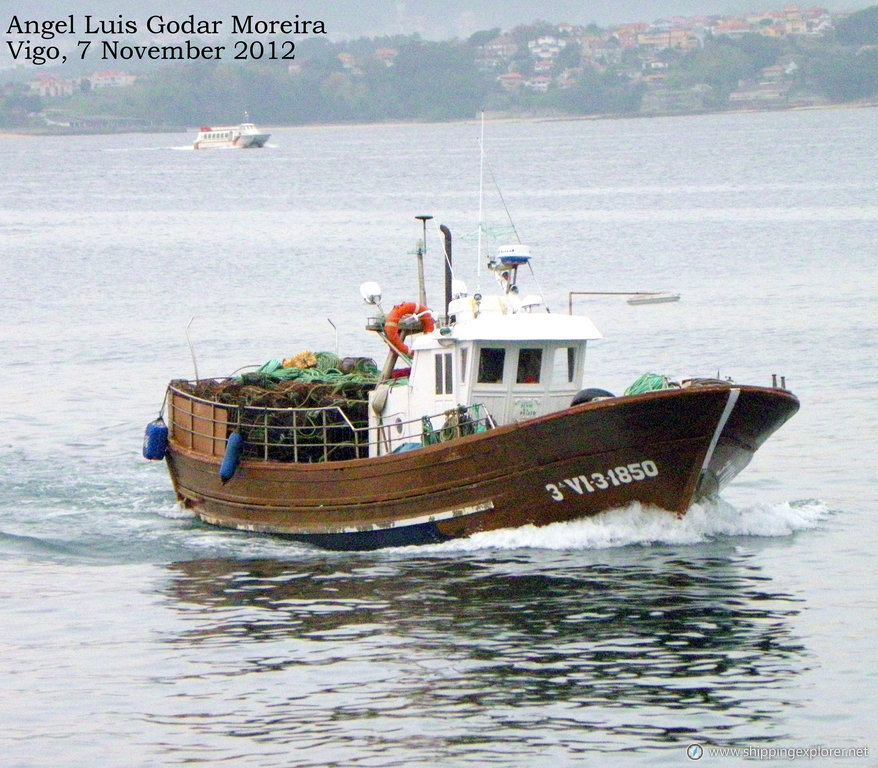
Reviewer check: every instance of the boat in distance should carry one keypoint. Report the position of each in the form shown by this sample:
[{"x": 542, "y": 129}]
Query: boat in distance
[
  {"x": 243, "y": 136},
  {"x": 477, "y": 420}
]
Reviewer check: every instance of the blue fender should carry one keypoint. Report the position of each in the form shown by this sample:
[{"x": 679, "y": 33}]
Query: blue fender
[
  {"x": 234, "y": 446},
  {"x": 155, "y": 440}
]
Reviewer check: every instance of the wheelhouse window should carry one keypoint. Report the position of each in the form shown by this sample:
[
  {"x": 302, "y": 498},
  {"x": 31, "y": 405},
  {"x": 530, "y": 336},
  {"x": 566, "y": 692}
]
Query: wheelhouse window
[
  {"x": 444, "y": 380},
  {"x": 491, "y": 361},
  {"x": 530, "y": 361},
  {"x": 564, "y": 366}
]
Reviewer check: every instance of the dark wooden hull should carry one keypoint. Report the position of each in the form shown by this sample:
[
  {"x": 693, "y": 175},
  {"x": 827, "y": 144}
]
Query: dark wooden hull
[{"x": 666, "y": 448}]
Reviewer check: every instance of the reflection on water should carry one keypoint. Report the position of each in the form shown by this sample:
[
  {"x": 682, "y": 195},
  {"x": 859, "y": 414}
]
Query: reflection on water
[{"x": 481, "y": 660}]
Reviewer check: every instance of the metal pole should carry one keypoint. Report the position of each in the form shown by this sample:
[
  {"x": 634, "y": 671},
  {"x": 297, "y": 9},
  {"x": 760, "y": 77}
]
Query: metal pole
[
  {"x": 447, "y": 234},
  {"x": 422, "y": 289}
]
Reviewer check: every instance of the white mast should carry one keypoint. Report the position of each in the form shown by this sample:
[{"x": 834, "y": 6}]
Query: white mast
[{"x": 481, "y": 202}]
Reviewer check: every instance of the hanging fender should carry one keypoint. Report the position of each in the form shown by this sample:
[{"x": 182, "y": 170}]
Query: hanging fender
[
  {"x": 391, "y": 323},
  {"x": 234, "y": 447},
  {"x": 155, "y": 440}
]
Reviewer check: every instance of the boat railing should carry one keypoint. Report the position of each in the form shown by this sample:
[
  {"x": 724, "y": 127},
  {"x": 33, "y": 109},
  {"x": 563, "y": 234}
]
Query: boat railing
[{"x": 309, "y": 435}]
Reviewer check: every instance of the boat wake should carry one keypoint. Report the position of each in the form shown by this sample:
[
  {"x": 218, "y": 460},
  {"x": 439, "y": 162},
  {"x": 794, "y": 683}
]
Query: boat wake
[
  {"x": 162, "y": 148},
  {"x": 632, "y": 525},
  {"x": 643, "y": 525}
]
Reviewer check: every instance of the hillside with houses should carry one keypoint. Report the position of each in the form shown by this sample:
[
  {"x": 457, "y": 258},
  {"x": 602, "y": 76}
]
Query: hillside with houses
[{"x": 773, "y": 59}]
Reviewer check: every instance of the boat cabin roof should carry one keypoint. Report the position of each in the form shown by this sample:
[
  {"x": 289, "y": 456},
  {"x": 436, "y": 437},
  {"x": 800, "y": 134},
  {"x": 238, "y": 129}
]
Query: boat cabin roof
[{"x": 525, "y": 327}]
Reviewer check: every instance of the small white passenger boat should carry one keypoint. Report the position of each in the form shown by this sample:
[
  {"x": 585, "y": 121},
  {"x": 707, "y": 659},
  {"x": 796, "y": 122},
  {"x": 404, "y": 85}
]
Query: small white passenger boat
[{"x": 243, "y": 136}]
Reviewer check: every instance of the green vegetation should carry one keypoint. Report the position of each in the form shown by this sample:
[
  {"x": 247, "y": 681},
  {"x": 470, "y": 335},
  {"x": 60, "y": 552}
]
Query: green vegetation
[
  {"x": 860, "y": 28},
  {"x": 407, "y": 78}
]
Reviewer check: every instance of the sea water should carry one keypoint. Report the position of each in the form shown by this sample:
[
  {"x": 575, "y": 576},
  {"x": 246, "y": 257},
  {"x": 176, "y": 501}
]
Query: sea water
[{"x": 133, "y": 635}]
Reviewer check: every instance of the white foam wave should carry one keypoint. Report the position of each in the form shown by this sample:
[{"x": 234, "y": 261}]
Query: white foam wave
[
  {"x": 637, "y": 524},
  {"x": 176, "y": 512},
  {"x": 633, "y": 525}
]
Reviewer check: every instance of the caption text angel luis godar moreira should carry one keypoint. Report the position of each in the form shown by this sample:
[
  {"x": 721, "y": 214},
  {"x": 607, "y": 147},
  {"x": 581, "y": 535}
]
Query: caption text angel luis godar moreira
[{"x": 109, "y": 39}]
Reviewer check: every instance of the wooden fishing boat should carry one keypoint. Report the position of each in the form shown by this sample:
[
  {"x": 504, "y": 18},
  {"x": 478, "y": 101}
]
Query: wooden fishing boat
[{"x": 476, "y": 421}]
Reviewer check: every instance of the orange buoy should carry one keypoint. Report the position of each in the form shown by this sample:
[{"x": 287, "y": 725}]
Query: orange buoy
[{"x": 391, "y": 323}]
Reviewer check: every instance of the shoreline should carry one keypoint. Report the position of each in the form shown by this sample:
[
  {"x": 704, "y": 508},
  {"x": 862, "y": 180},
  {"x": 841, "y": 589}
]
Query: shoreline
[{"x": 495, "y": 116}]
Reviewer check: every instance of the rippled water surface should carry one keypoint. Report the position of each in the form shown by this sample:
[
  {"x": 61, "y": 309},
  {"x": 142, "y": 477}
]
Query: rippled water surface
[{"x": 133, "y": 635}]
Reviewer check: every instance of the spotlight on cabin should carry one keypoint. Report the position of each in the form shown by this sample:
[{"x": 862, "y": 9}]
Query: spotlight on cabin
[{"x": 371, "y": 293}]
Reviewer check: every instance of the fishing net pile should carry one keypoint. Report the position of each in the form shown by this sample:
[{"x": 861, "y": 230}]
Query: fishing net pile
[
  {"x": 330, "y": 395},
  {"x": 306, "y": 380}
]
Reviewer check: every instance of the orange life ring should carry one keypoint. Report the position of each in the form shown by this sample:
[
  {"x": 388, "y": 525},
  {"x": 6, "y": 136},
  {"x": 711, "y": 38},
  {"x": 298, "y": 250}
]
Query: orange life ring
[{"x": 391, "y": 323}]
